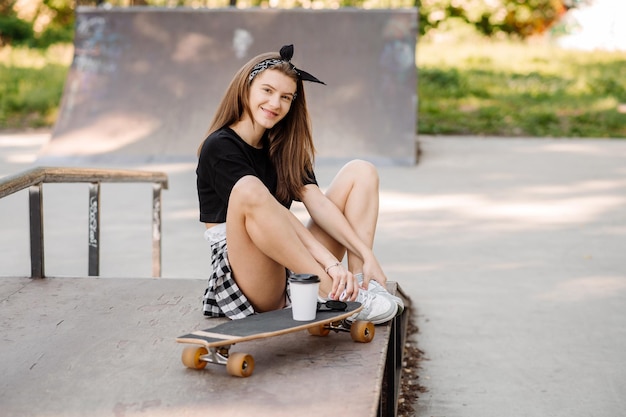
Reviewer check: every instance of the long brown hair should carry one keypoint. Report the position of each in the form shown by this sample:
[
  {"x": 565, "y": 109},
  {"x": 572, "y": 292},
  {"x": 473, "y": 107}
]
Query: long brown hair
[{"x": 291, "y": 146}]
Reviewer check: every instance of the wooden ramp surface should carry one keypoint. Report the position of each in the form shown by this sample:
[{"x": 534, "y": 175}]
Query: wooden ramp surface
[{"x": 106, "y": 347}]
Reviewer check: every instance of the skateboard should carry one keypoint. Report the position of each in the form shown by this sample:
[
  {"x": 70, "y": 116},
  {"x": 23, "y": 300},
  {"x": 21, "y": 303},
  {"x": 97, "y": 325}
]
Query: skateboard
[{"x": 213, "y": 345}]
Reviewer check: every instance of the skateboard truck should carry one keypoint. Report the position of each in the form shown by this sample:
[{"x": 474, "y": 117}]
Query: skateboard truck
[
  {"x": 237, "y": 364},
  {"x": 218, "y": 355}
]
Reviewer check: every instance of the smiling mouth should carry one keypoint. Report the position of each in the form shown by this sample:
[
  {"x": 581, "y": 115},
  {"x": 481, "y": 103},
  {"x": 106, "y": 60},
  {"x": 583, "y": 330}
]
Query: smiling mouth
[{"x": 269, "y": 113}]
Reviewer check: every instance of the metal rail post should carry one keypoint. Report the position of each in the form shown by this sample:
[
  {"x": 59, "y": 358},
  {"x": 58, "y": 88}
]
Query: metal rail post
[
  {"x": 37, "y": 269},
  {"x": 94, "y": 229},
  {"x": 156, "y": 229}
]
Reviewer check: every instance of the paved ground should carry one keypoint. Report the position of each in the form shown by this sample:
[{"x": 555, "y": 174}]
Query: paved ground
[{"x": 512, "y": 250}]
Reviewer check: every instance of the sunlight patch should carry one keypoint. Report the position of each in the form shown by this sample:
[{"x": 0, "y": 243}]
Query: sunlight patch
[{"x": 586, "y": 288}]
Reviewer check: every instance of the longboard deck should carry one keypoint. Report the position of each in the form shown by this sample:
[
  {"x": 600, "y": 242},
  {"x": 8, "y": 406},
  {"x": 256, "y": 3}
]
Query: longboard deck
[{"x": 263, "y": 325}]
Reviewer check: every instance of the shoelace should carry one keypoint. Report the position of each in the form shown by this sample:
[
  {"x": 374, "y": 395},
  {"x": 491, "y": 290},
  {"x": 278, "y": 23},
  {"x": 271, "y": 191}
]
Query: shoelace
[
  {"x": 367, "y": 298},
  {"x": 364, "y": 297}
]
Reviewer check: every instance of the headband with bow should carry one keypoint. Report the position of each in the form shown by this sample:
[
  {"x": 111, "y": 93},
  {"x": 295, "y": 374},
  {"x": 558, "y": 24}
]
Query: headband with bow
[{"x": 286, "y": 53}]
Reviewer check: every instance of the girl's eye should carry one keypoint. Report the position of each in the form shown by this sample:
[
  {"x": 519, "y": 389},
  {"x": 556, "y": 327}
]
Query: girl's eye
[{"x": 286, "y": 98}]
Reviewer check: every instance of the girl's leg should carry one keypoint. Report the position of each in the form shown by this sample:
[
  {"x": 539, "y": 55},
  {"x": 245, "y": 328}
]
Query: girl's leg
[
  {"x": 355, "y": 192},
  {"x": 262, "y": 241}
]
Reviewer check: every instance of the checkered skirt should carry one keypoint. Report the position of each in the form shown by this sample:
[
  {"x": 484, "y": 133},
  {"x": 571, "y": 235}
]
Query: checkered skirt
[{"x": 223, "y": 298}]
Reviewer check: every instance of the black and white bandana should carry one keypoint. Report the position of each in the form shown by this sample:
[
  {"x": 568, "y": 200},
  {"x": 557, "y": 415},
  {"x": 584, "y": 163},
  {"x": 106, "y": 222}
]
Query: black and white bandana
[{"x": 286, "y": 53}]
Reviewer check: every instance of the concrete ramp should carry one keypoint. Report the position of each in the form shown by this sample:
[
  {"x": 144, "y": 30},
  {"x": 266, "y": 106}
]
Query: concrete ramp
[{"x": 145, "y": 82}]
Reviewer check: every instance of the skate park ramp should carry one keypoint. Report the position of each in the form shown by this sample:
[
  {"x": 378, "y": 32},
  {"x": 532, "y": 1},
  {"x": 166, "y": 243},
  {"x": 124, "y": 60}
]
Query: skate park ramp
[{"x": 145, "y": 82}]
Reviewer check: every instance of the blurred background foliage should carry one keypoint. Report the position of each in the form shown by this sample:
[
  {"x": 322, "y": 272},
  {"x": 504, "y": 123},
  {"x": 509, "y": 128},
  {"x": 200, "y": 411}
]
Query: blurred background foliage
[
  {"x": 518, "y": 18},
  {"x": 36, "y": 23},
  {"x": 485, "y": 67},
  {"x": 40, "y": 23}
]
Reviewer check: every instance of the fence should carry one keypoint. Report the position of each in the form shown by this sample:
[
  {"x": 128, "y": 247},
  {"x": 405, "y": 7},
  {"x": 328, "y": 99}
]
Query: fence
[{"x": 34, "y": 179}]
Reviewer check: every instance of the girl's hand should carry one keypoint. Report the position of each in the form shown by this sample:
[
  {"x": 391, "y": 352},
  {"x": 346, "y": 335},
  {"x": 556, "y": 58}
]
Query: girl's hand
[
  {"x": 345, "y": 285},
  {"x": 373, "y": 271}
]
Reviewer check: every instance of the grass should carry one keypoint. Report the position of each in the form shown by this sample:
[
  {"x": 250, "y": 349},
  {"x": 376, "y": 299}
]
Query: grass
[
  {"x": 478, "y": 87},
  {"x": 517, "y": 89},
  {"x": 31, "y": 85}
]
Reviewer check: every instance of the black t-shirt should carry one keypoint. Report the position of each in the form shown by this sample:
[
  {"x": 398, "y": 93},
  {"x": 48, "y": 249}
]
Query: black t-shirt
[{"x": 224, "y": 159}]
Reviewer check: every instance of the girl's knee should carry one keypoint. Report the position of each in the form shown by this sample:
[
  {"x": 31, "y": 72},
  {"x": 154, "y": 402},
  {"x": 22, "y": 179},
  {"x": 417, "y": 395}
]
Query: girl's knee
[
  {"x": 249, "y": 191},
  {"x": 363, "y": 171}
]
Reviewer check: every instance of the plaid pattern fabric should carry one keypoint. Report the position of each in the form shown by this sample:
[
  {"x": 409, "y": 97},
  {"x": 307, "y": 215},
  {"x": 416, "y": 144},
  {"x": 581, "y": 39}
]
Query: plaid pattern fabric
[{"x": 223, "y": 298}]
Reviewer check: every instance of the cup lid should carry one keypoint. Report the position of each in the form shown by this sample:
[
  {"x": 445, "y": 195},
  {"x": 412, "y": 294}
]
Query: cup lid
[{"x": 304, "y": 278}]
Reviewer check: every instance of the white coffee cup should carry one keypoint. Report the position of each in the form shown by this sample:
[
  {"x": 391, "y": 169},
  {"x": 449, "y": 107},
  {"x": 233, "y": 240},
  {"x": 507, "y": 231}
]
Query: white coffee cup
[{"x": 304, "y": 289}]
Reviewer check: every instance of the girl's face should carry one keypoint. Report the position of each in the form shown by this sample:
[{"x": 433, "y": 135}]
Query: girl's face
[{"x": 271, "y": 94}]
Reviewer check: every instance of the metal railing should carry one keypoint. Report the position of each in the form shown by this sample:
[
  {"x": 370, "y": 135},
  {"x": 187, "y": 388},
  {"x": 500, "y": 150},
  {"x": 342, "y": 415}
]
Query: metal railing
[{"x": 34, "y": 179}]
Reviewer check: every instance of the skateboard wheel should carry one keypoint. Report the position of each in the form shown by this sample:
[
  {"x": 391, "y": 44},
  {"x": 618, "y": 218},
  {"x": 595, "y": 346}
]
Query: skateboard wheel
[
  {"x": 321, "y": 330},
  {"x": 191, "y": 357},
  {"x": 362, "y": 331},
  {"x": 240, "y": 364}
]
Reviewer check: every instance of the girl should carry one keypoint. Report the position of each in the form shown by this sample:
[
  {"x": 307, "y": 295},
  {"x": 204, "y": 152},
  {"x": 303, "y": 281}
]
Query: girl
[{"x": 257, "y": 159}]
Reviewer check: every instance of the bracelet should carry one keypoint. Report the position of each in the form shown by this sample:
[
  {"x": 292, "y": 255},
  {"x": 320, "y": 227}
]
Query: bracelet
[{"x": 332, "y": 266}]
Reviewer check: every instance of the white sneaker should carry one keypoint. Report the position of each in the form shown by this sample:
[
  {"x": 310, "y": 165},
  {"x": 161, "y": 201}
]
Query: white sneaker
[
  {"x": 375, "y": 309},
  {"x": 376, "y": 288}
]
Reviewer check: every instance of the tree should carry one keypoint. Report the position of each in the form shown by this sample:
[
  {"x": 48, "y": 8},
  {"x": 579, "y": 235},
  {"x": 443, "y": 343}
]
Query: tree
[
  {"x": 522, "y": 18},
  {"x": 36, "y": 22},
  {"x": 12, "y": 28}
]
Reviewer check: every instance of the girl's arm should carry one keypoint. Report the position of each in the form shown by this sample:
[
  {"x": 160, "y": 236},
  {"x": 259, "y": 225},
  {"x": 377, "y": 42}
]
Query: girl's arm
[
  {"x": 328, "y": 216},
  {"x": 342, "y": 279}
]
